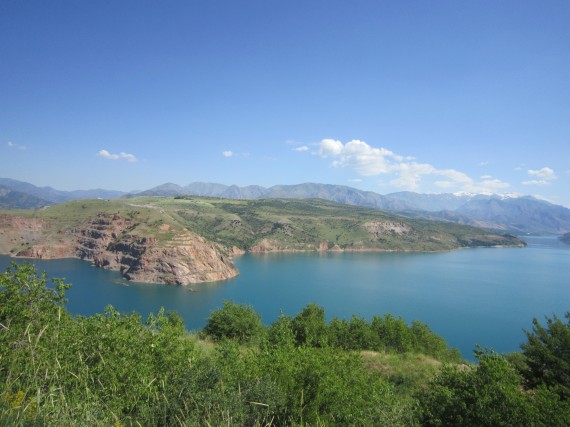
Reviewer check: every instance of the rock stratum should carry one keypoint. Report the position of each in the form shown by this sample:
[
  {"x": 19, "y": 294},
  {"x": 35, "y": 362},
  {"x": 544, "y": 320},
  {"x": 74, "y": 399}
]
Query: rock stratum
[
  {"x": 185, "y": 240},
  {"x": 106, "y": 242}
]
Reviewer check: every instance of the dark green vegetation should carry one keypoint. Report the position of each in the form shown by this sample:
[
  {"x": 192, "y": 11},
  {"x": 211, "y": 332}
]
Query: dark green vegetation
[
  {"x": 113, "y": 369},
  {"x": 386, "y": 334}
]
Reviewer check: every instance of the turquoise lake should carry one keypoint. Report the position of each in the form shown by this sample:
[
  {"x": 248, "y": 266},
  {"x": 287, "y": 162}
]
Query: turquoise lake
[{"x": 470, "y": 296}]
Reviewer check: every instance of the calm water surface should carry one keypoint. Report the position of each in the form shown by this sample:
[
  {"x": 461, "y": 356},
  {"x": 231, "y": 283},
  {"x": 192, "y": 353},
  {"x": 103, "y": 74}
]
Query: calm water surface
[{"x": 471, "y": 296}]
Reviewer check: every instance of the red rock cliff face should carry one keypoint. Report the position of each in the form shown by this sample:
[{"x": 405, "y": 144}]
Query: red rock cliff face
[
  {"x": 186, "y": 259},
  {"x": 106, "y": 242}
]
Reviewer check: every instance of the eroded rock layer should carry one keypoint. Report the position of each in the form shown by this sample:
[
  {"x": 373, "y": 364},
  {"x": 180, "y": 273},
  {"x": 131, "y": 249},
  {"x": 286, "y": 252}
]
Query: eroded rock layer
[{"x": 106, "y": 241}]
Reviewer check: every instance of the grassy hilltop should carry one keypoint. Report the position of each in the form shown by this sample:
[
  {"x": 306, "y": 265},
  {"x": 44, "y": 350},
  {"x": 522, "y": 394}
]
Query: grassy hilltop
[{"x": 307, "y": 224}]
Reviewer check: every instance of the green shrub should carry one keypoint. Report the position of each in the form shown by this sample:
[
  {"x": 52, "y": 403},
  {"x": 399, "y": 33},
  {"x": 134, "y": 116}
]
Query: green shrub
[
  {"x": 547, "y": 355},
  {"x": 234, "y": 321},
  {"x": 309, "y": 326}
]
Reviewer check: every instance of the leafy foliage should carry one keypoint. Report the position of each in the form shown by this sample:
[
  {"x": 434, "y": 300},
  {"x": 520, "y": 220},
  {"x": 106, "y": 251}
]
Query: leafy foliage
[
  {"x": 486, "y": 395},
  {"x": 113, "y": 368},
  {"x": 234, "y": 321},
  {"x": 489, "y": 394},
  {"x": 547, "y": 355},
  {"x": 309, "y": 326}
]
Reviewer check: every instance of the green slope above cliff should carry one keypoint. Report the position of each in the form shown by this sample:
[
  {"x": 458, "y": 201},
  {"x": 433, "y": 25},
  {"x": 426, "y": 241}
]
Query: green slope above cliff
[{"x": 289, "y": 224}]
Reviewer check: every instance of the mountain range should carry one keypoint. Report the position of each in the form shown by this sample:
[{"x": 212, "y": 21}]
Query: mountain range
[
  {"x": 512, "y": 213},
  {"x": 49, "y": 195}
]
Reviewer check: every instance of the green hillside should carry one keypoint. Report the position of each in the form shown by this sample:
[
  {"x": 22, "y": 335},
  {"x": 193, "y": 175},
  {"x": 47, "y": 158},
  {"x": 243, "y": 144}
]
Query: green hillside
[
  {"x": 264, "y": 225},
  {"x": 283, "y": 224}
]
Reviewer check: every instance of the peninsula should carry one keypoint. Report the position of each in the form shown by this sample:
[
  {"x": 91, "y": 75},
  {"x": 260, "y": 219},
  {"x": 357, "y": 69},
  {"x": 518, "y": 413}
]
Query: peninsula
[{"x": 185, "y": 239}]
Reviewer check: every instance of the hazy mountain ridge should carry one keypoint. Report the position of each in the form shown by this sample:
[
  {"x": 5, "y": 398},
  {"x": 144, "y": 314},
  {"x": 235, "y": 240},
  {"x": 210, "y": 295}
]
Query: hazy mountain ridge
[
  {"x": 514, "y": 213},
  {"x": 523, "y": 214},
  {"x": 505, "y": 212},
  {"x": 52, "y": 195},
  {"x": 432, "y": 202},
  {"x": 10, "y": 199}
]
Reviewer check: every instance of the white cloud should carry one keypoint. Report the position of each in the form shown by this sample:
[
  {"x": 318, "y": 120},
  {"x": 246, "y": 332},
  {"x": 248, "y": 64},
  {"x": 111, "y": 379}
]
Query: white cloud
[
  {"x": 536, "y": 182},
  {"x": 545, "y": 173},
  {"x": 228, "y": 153},
  {"x": 486, "y": 177},
  {"x": 484, "y": 163},
  {"x": 128, "y": 157},
  {"x": 301, "y": 149},
  {"x": 407, "y": 174},
  {"x": 16, "y": 146},
  {"x": 493, "y": 184},
  {"x": 355, "y": 180},
  {"x": 411, "y": 175},
  {"x": 487, "y": 186},
  {"x": 359, "y": 156},
  {"x": 330, "y": 147},
  {"x": 541, "y": 176}
]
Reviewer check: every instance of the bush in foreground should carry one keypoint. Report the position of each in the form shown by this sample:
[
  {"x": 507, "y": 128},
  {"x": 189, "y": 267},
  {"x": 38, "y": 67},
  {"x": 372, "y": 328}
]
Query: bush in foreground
[
  {"x": 112, "y": 368},
  {"x": 56, "y": 369}
]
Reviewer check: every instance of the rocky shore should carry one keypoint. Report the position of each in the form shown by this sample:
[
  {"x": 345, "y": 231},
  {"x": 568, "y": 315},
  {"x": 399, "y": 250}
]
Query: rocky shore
[{"x": 107, "y": 243}]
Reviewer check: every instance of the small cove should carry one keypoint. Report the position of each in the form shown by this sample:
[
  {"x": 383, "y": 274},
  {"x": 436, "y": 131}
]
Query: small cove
[{"x": 470, "y": 296}]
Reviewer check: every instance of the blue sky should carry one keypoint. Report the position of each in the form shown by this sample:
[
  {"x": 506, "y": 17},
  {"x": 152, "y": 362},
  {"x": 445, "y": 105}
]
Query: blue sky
[{"x": 429, "y": 96}]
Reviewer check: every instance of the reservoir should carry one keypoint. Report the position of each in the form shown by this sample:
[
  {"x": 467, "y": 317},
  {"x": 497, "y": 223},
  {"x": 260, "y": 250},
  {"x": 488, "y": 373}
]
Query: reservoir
[{"x": 470, "y": 297}]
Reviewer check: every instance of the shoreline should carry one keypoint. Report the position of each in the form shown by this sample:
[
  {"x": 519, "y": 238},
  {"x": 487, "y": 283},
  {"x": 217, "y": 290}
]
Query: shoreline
[{"x": 334, "y": 250}]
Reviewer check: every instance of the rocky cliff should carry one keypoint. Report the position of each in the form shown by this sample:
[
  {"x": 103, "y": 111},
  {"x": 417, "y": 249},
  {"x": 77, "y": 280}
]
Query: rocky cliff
[{"x": 107, "y": 242}]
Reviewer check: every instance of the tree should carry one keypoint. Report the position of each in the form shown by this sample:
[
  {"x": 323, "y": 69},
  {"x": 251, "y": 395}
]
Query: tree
[
  {"x": 310, "y": 327},
  {"x": 485, "y": 395},
  {"x": 547, "y": 355},
  {"x": 234, "y": 321},
  {"x": 280, "y": 333},
  {"x": 393, "y": 333},
  {"x": 25, "y": 298}
]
